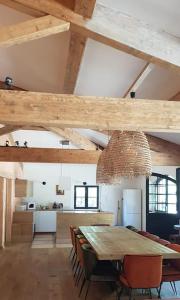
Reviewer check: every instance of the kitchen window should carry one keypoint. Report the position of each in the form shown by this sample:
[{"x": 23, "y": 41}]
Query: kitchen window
[
  {"x": 162, "y": 194},
  {"x": 86, "y": 197}
]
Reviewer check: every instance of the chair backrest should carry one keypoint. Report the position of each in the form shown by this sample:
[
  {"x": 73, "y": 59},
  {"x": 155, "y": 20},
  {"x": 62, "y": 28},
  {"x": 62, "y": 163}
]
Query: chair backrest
[
  {"x": 79, "y": 243},
  {"x": 71, "y": 228},
  {"x": 175, "y": 262},
  {"x": 90, "y": 260},
  {"x": 152, "y": 237},
  {"x": 163, "y": 242},
  {"x": 143, "y": 271},
  {"x": 175, "y": 247},
  {"x": 100, "y": 225},
  {"x": 142, "y": 232}
]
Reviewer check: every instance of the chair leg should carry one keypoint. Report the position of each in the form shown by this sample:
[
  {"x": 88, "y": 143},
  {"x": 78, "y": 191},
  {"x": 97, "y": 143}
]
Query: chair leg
[
  {"x": 120, "y": 293},
  {"x": 172, "y": 286},
  {"x": 175, "y": 288},
  {"x": 82, "y": 285},
  {"x": 74, "y": 264},
  {"x": 79, "y": 278},
  {"x": 159, "y": 290},
  {"x": 88, "y": 286},
  {"x": 73, "y": 257},
  {"x": 76, "y": 269},
  {"x": 77, "y": 275},
  {"x": 130, "y": 294},
  {"x": 70, "y": 253},
  {"x": 150, "y": 294}
]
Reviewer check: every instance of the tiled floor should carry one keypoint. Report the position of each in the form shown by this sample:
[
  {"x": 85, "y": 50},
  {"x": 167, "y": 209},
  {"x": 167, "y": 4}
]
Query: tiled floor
[
  {"x": 45, "y": 274},
  {"x": 43, "y": 241}
]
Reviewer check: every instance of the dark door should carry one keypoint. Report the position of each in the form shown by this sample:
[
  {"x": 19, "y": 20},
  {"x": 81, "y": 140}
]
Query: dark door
[{"x": 162, "y": 209}]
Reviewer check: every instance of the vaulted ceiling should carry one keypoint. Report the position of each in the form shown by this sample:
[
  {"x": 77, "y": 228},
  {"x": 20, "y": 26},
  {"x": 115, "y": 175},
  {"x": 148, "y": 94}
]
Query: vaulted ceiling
[{"x": 40, "y": 65}]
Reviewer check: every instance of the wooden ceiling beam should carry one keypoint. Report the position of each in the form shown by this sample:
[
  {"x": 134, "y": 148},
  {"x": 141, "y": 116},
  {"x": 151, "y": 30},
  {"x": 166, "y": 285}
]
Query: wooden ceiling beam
[
  {"x": 119, "y": 31},
  {"x": 77, "y": 46},
  {"x": 23, "y": 8},
  {"x": 56, "y": 110},
  {"x": 9, "y": 129},
  {"x": 176, "y": 97},
  {"x": 31, "y": 30},
  {"x": 165, "y": 159},
  {"x": 48, "y": 155},
  {"x": 162, "y": 146},
  {"x": 54, "y": 155},
  {"x": 74, "y": 137}
]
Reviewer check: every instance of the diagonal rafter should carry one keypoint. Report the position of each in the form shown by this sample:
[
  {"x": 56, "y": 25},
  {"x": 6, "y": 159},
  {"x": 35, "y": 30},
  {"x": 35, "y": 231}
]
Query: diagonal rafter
[
  {"x": 76, "y": 138},
  {"x": 31, "y": 30},
  {"x": 76, "y": 47}
]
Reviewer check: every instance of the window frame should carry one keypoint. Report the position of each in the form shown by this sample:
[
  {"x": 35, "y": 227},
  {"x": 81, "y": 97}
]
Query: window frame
[
  {"x": 86, "y": 207},
  {"x": 167, "y": 178}
]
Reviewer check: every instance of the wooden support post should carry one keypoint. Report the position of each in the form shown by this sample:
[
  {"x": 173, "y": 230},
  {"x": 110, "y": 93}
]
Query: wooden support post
[{"x": 2, "y": 211}]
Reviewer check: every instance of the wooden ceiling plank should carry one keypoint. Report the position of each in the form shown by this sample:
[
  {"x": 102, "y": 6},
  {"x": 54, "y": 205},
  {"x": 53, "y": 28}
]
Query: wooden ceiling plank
[
  {"x": 50, "y": 155},
  {"x": 31, "y": 30},
  {"x": 56, "y": 110},
  {"x": 77, "y": 45},
  {"x": 74, "y": 137},
  {"x": 119, "y": 31}
]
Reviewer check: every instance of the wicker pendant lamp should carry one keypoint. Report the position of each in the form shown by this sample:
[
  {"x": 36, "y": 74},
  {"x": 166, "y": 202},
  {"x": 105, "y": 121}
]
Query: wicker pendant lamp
[{"x": 127, "y": 155}]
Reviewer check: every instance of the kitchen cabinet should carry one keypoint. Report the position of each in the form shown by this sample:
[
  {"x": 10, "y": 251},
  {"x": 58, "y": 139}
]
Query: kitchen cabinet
[
  {"x": 22, "y": 226},
  {"x": 23, "y": 188},
  {"x": 45, "y": 221}
]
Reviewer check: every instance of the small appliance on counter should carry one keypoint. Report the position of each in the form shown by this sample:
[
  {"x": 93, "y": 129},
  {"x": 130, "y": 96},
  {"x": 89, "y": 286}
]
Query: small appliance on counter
[
  {"x": 31, "y": 205},
  {"x": 57, "y": 205}
]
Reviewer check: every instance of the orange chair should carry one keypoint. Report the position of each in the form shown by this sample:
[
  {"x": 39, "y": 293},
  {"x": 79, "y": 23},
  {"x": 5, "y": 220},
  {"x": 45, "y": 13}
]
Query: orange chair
[
  {"x": 72, "y": 252},
  {"x": 142, "y": 232},
  {"x": 141, "y": 272},
  {"x": 152, "y": 237},
  {"x": 79, "y": 243},
  {"x": 163, "y": 242},
  {"x": 75, "y": 232},
  {"x": 171, "y": 271}
]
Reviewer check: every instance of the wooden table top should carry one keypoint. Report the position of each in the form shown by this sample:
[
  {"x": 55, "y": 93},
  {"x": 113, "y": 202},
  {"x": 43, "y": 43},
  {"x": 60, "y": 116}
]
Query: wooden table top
[{"x": 112, "y": 243}]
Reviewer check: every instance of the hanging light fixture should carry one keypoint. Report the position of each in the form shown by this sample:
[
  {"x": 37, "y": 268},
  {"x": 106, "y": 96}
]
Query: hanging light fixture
[
  {"x": 64, "y": 183},
  {"x": 127, "y": 155}
]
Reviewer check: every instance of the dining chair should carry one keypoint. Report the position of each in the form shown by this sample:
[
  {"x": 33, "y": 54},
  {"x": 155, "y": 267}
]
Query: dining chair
[
  {"x": 72, "y": 252},
  {"x": 142, "y": 232},
  {"x": 79, "y": 241},
  {"x": 152, "y": 237},
  {"x": 95, "y": 270},
  {"x": 163, "y": 242},
  {"x": 100, "y": 225},
  {"x": 75, "y": 233},
  {"x": 140, "y": 272},
  {"x": 171, "y": 270}
]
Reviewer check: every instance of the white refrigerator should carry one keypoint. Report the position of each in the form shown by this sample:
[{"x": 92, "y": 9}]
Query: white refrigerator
[{"x": 132, "y": 208}]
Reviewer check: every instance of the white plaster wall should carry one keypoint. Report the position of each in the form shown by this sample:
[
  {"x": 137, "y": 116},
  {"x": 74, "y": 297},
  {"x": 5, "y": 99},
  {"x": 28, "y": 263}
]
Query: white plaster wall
[
  {"x": 51, "y": 173},
  {"x": 110, "y": 196}
]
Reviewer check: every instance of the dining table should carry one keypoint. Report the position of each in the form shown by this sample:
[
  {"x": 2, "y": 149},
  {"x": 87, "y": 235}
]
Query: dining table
[{"x": 114, "y": 242}]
